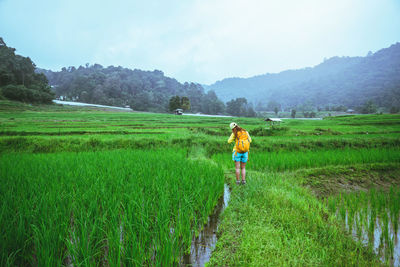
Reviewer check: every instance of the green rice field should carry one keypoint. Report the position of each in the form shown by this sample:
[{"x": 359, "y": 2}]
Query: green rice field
[
  {"x": 373, "y": 218},
  {"x": 84, "y": 186},
  {"x": 116, "y": 207}
]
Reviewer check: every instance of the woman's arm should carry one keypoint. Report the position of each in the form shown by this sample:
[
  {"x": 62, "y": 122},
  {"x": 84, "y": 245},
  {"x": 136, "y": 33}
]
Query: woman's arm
[{"x": 231, "y": 138}]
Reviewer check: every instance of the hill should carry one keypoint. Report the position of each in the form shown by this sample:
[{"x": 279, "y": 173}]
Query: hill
[
  {"x": 118, "y": 86},
  {"x": 338, "y": 81},
  {"x": 18, "y": 80}
]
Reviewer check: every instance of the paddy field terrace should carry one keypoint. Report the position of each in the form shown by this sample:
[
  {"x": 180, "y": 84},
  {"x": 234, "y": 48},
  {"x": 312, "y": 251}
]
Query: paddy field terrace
[{"x": 87, "y": 186}]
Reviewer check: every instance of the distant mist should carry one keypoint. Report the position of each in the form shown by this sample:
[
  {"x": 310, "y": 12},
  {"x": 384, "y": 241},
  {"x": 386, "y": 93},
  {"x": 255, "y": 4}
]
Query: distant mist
[{"x": 346, "y": 81}]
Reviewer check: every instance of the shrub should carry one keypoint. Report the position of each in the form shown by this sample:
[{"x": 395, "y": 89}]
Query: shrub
[
  {"x": 394, "y": 110},
  {"x": 21, "y": 93}
]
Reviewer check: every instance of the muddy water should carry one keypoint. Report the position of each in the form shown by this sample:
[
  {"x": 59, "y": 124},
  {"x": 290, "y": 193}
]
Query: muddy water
[{"x": 203, "y": 245}]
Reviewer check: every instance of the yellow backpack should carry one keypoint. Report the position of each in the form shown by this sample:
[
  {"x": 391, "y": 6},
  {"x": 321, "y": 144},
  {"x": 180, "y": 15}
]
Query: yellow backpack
[{"x": 243, "y": 143}]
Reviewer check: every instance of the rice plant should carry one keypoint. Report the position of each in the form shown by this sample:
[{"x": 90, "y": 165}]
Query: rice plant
[
  {"x": 286, "y": 161},
  {"x": 373, "y": 218},
  {"x": 109, "y": 208}
]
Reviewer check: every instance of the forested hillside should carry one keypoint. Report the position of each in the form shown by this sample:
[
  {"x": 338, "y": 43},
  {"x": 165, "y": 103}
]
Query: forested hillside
[
  {"x": 118, "y": 86},
  {"x": 18, "y": 80},
  {"x": 338, "y": 81}
]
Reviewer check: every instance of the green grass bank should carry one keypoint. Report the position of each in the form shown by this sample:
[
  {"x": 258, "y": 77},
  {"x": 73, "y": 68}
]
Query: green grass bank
[{"x": 72, "y": 177}]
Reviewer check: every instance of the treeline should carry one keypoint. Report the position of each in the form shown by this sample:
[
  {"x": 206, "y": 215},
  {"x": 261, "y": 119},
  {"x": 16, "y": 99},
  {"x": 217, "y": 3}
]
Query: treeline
[
  {"x": 140, "y": 90},
  {"x": 308, "y": 110},
  {"x": 116, "y": 86},
  {"x": 18, "y": 80},
  {"x": 239, "y": 107},
  {"x": 352, "y": 82}
]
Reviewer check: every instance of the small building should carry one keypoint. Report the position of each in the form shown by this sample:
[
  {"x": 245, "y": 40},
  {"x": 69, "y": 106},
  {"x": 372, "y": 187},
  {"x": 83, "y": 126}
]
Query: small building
[
  {"x": 351, "y": 111},
  {"x": 178, "y": 111},
  {"x": 272, "y": 122}
]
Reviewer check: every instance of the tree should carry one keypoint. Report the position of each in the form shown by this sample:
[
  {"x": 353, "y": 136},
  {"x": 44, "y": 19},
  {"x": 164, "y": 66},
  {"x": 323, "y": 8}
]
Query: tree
[
  {"x": 238, "y": 107},
  {"x": 339, "y": 108},
  {"x": 368, "y": 107},
  {"x": 18, "y": 80},
  {"x": 293, "y": 113},
  {"x": 231, "y": 108},
  {"x": 141, "y": 101},
  {"x": 174, "y": 103},
  {"x": 21, "y": 93},
  {"x": 272, "y": 105},
  {"x": 251, "y": 112},
  {"x": 260, "y": 106},
  {"x": 185, "y": 103},
  {"x": 394, "y": 110},
  {"x": 195, "y": 93},
  {"x": 306, "y": 107},
  {"x": 211, "y": 104},
  {"x": 276, "y": 111},
  {"x": 310, "y": 114}
]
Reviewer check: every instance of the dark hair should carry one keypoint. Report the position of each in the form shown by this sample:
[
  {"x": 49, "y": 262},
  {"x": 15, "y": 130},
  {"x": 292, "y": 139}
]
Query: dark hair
[{"x": 237, "y": 129}]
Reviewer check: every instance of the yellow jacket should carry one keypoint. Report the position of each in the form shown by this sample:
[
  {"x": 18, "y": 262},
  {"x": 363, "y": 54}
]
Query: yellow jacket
[{"x": 232, "y": 138}]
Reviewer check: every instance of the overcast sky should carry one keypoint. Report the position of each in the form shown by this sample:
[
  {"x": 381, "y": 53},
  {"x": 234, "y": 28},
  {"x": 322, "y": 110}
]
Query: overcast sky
[{"x": 197, "y": 40}]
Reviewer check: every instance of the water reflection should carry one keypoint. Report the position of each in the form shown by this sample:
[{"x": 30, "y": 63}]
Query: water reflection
[{"x": 382, "y": 237}]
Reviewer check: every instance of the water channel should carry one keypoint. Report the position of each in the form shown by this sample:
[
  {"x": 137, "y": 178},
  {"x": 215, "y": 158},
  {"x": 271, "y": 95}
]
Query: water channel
[{"x": 204, "y": 243}]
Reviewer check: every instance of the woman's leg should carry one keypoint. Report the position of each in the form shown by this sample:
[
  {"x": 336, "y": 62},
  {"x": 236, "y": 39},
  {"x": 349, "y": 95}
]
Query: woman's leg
[
  {"x": 237, "y": 167},
  {"x": 243, "y": 167}
]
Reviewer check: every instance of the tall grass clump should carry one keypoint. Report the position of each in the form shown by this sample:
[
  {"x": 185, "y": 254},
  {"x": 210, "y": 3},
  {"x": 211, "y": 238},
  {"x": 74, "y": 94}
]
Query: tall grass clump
[
  {"x": 103, "y": 208},
  {"x": 372, "y": 217}
]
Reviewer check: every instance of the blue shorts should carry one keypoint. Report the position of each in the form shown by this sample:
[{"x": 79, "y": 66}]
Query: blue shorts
[{"x": 242, "y": 157}]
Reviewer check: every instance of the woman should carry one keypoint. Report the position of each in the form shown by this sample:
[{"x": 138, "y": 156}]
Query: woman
[{"x": 240, "y": 150}]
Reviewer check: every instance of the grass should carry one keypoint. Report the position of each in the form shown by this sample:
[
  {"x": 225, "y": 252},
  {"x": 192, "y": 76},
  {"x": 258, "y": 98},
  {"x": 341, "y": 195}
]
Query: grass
[
  {"x": 85, "y": 186},
  {"x": 69, "y": 128},
  {"x": 371, "y": 215},
  {"x": 115, "y": 207},
  {"x": 273, "y": 221},
  {"x": 285, "y": 161}
]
